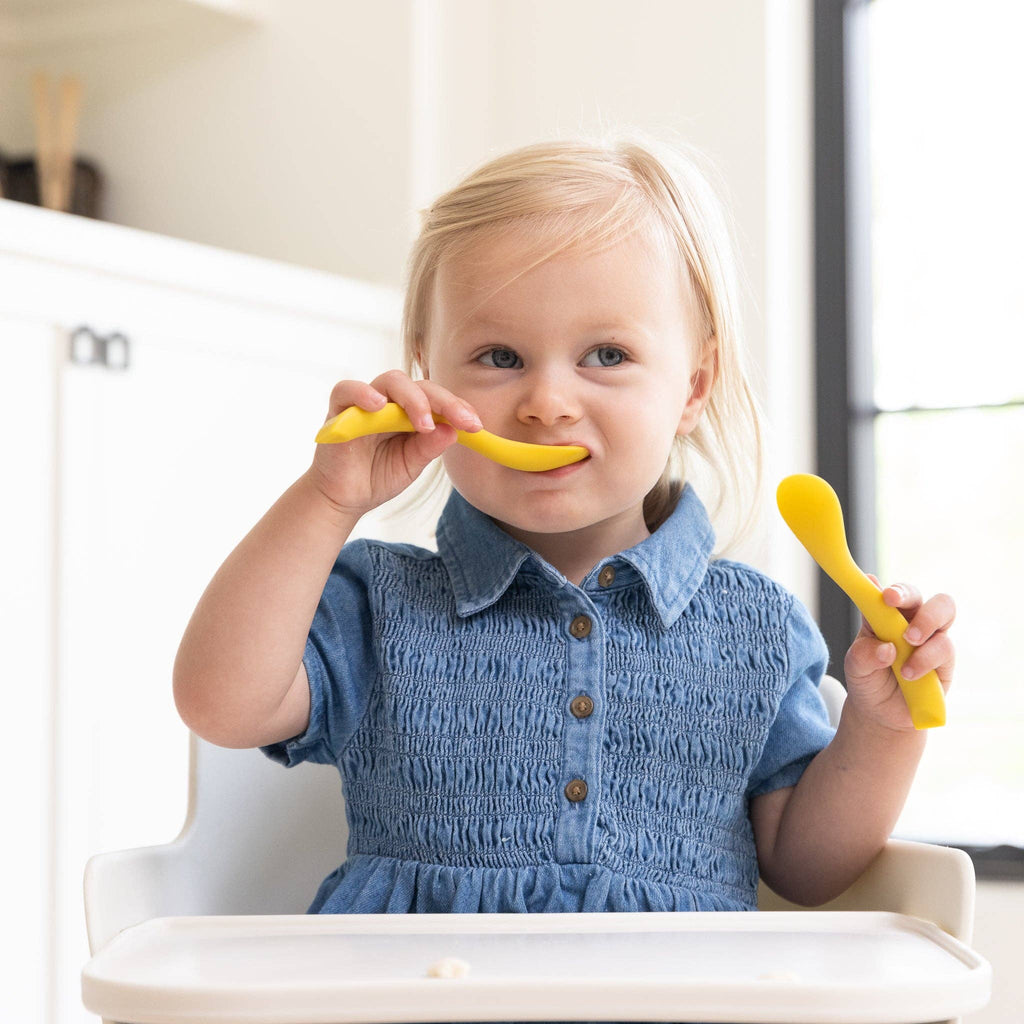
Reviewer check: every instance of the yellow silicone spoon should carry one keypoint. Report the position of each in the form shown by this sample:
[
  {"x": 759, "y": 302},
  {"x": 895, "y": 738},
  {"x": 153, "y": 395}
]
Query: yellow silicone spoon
[
  {"x": 812, "y": 511},
  {"x": 354, "y": 422}
]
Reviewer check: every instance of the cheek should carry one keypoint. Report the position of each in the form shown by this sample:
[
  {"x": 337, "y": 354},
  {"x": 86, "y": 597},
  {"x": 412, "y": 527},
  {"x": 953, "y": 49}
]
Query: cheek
[
  {"x": 462, "y": 466},
  {"x": 644, "y": 447},
  {"x": 646, "y": 433}
]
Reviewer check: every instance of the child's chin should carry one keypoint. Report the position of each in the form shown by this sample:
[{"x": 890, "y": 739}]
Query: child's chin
[{"x": 547, "y": 521}]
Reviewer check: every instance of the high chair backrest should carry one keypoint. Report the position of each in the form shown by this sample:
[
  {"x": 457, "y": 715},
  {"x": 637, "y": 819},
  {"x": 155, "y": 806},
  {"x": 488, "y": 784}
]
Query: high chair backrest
[{"x": 258, "y": 839}]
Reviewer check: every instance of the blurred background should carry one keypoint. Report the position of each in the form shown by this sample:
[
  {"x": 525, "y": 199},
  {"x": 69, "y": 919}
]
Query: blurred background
[{"x": 245, "y": 177}]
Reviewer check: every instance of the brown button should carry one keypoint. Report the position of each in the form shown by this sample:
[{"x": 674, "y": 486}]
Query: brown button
[
  {"x": 576, "y": 790},
  {"x": 606, "y": 577},
  {"x": 582, "y": 706},
  {"x": 580, "y": 627}
]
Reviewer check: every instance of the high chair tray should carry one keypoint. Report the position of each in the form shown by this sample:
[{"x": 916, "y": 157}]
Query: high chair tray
[{"x": 823, "y": 968}]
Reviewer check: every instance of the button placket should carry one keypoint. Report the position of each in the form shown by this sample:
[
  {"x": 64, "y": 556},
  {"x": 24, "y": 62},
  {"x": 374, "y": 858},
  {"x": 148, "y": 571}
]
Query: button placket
[{"x": 576, "y": 839}]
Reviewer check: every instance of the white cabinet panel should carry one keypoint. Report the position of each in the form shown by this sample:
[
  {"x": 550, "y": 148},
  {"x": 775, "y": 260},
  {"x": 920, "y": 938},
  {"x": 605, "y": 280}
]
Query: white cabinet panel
[
  {"x": 123, "y": 490},
  {"x": 163, "y": 468},
  {"x": 26, "y": 426}
]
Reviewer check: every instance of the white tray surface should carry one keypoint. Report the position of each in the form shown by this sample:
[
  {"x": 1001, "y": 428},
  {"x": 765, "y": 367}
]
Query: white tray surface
[{"x": 787, "y": 967}]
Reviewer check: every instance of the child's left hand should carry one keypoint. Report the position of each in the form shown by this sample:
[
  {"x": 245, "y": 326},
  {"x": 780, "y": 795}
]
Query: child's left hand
[{"x": 871, "y": 685}]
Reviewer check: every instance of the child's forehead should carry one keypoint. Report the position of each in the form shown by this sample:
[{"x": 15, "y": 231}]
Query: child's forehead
[
  {"x": 487, "y": 264},
  {"x": 534, "y": 239},
  {"x": 504, "y": 283}
]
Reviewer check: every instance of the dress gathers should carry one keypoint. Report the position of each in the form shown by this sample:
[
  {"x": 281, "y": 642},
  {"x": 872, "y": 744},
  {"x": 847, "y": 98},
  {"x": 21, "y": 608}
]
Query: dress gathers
[{"x": 511, "y": 742}]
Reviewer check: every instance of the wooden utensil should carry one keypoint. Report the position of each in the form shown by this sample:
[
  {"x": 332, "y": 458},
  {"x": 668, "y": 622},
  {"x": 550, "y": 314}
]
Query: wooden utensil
[{"x": 55, "y": 138}]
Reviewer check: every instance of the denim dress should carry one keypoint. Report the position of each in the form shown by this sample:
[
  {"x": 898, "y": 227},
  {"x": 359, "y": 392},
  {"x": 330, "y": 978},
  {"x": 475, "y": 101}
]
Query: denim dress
[{"x": 511, "y": 742}]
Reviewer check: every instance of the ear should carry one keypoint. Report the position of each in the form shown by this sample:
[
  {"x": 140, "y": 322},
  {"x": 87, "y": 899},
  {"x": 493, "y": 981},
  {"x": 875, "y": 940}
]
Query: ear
[{"x": 702, "y": 383}]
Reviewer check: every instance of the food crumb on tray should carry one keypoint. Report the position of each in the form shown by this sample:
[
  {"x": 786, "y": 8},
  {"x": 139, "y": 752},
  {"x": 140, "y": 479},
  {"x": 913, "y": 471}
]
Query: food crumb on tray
[{"x": 448, "y": 967}]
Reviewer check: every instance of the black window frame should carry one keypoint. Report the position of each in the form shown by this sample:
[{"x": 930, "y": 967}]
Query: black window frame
[{"x": 844, "y": 402}]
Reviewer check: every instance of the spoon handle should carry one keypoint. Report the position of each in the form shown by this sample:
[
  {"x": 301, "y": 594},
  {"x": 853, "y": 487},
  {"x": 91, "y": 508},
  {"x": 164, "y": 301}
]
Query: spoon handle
[
  {"x": 924, "y": 696},
  {"x": 354, "y": 422}
]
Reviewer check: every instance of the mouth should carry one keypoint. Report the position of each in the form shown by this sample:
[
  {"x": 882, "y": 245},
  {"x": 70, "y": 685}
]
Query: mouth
[
  {"x": 538, "y": 458},
  {"x": 560, "y": 471}
]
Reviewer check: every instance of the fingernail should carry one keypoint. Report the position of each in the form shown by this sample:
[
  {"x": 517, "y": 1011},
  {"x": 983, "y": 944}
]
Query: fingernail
[
  {"x": 468, "y": 417},
  {"x": 912, "y": 636},
  {"x": 908, "y": 673}
]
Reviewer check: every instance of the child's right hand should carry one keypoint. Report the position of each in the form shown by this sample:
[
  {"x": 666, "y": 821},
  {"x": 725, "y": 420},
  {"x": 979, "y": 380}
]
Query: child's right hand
[{"x": 357, "y": 476}]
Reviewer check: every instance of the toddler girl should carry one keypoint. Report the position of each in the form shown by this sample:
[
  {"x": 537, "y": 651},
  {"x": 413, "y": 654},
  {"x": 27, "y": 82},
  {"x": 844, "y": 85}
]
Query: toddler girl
[{"x": 570, "y": 705}]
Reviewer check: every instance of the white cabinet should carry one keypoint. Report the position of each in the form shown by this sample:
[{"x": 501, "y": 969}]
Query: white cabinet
[{"x": 123, "y": 489}]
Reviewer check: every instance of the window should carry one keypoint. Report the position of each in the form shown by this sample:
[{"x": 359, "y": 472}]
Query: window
[{"x": 919, "y": 215}]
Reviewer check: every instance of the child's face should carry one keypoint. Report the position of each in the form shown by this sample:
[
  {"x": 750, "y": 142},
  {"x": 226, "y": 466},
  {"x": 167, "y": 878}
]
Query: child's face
[{"x": 599, "y": 350}]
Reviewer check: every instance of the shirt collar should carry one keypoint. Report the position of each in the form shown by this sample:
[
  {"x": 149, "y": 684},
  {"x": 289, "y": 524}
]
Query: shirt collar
[
  {"x": 673, "y": 561},
  {"x": 482, "y": 559}
]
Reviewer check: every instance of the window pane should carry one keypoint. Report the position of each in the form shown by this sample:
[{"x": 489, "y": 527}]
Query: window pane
[
  {"x": 946, "y": 81},
  {"x": 950, "y": 502}
]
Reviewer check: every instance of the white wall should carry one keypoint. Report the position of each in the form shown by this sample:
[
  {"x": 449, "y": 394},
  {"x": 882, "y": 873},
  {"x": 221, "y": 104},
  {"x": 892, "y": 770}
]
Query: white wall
[
  {"x": 287, "y": 139},
  {"x": 312, "y": 137},
  {"x": 997, "y": 937}
]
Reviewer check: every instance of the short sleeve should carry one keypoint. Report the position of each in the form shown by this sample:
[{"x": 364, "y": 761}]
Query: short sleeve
[
  {"x": 340, "y": 662},
  {"x": 801, "y": 728}
]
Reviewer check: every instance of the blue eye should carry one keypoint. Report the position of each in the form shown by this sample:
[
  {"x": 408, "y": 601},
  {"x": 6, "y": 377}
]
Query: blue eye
[
  {"x": 501, "y": 359},
  {"x": 606, "y": 355}
]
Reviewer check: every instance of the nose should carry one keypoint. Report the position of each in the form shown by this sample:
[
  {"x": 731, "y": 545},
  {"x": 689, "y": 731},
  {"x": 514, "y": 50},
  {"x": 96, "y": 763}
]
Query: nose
[{"x": 548, "y": 399}]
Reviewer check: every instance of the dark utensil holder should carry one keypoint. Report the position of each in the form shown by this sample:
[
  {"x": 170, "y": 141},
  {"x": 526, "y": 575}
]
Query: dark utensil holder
[{"x": 19, "y": 182}]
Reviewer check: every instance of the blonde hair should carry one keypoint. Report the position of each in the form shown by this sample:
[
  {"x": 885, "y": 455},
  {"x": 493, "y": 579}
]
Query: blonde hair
[{"x": 585, "y": 195}]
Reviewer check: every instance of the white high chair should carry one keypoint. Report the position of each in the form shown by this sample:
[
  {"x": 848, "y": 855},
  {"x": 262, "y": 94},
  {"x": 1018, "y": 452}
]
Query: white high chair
[{"x": 212, "y": 927}]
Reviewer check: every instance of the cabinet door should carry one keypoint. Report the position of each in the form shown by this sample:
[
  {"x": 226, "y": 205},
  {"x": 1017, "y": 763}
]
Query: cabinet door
[
  {"x": 163, "y": 467},
  {"x": 26, "y": 616}
]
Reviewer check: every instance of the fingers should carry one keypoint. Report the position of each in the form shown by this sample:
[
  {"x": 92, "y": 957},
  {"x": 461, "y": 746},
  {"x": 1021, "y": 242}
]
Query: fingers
[
  {"x": 924, "y": 620},
  {"x": 420, "y": 449},
  {"x": 421, "y": 400},
  {"x": 927, "y": 632},
  {"x": 347, "y": 393},
  {"x": 867, "y": 655},
  {"x": 927, "y": 628},
  {"x": 436, "y": 400},
  {"x": 937, "y": 653}
]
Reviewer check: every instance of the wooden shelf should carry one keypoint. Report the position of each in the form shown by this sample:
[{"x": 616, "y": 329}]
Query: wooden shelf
[{"x": 34, "y": 26}]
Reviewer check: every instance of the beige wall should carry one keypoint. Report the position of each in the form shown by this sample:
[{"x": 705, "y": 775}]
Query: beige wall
[{"x": 288, "y": 139}]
